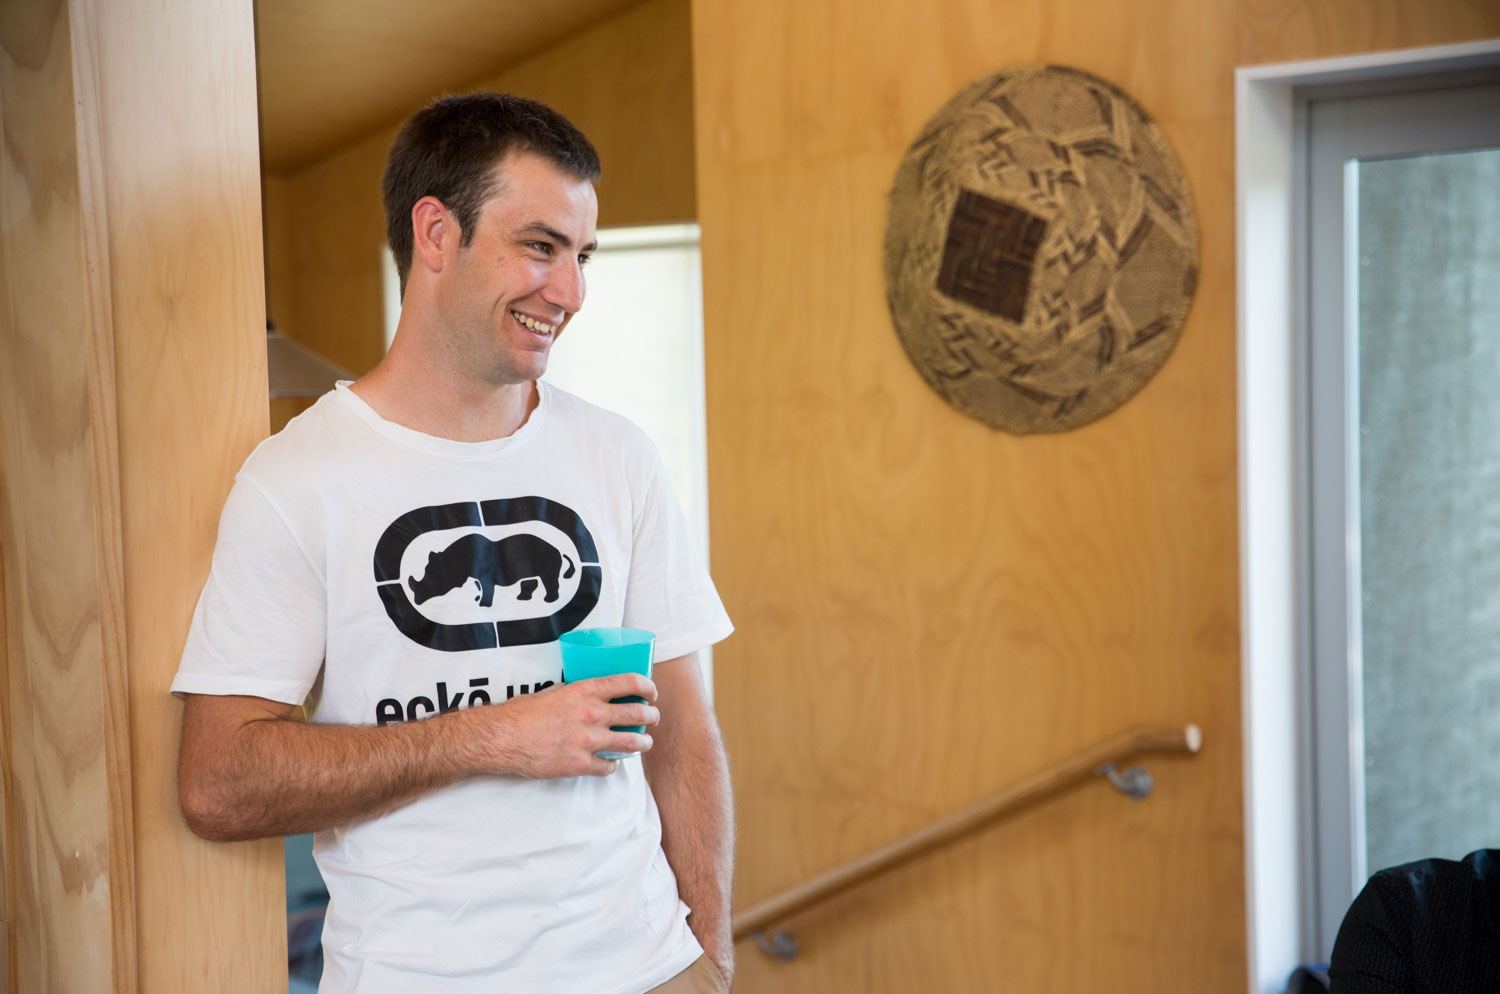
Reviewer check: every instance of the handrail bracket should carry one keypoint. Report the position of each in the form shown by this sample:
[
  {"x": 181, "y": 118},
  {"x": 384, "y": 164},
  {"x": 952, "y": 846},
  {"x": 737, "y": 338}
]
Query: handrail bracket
[
  {"x": 1133, "y": 781},
  {"x": 781, "y": 945}
]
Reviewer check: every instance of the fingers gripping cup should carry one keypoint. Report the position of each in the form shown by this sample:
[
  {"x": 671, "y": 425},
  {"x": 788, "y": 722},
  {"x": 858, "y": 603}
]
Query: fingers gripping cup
[{"x": 594, "y": 652}]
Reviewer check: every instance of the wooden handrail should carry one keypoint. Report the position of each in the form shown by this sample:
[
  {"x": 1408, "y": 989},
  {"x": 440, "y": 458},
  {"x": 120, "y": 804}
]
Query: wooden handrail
[{"x": 1005, "y": 801}]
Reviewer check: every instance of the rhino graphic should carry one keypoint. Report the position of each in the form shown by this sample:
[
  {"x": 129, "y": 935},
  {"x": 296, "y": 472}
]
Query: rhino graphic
[{"x": 526, "y": 558}]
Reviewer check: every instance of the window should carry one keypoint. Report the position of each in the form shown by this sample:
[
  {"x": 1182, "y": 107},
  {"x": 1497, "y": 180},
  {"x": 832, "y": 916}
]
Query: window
[
  {"x": 636, "y": 348},
  {"x": 390, "y": 295},
  {"x": 1404, "y": 430}
]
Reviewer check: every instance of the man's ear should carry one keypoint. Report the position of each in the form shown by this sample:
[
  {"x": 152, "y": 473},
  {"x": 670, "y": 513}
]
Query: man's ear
[{"x": 434, "y": 233}]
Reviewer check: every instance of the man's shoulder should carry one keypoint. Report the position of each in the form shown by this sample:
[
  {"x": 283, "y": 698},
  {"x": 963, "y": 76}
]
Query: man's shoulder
[{"x": 312, "y": 446}]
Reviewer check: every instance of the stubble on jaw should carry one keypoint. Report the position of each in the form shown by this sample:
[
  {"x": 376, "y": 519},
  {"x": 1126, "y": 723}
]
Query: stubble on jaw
[
  {"x": 478, "y": 342},
  {"x": 475, "y": 356}
]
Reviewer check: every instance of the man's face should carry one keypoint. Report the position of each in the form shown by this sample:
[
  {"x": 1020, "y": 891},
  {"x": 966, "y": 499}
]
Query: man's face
[{"x": 516, "y": 285}]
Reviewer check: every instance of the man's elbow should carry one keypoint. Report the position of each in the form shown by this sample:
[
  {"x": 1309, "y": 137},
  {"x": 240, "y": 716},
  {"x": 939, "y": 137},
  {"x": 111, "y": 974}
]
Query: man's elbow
[{"x": 209, "y": 815}]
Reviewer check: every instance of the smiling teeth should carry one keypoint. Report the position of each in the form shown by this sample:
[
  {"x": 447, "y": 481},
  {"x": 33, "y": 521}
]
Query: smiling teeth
[{"x": 537, "y": 326}]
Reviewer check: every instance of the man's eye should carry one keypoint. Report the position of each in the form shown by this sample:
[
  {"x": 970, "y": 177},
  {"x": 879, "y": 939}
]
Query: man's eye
[
  {"x": 542, "y": 247},
  {"x": 584, "y": 260}
]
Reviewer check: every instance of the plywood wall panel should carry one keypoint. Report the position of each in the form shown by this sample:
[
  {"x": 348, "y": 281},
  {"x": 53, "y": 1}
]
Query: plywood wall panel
[
  {"x": 325, "y": 48},
  {"x": 928, "y": 610},
  {"x": 1275, "y": 31},
  {"x": 628, "y": 84},
  {"x": 9, "y": 983},
  {"x": 330, "y": 231}
]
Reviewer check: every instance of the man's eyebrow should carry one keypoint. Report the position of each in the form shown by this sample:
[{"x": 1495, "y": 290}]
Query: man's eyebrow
[{"x": 538, "y": 228}]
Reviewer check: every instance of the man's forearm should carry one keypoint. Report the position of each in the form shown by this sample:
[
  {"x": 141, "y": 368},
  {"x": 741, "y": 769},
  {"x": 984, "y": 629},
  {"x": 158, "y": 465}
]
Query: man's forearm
[
  {"x": 246, "y": 771},
  {"x": 284, "y": 777},
  {"x": 697, "y": 813},
  {"x": 689, "y": 775}
]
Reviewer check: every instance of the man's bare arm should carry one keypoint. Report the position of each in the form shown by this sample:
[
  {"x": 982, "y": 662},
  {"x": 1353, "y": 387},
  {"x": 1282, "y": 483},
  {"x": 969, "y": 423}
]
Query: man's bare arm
[
  {"x": 689, "y": 775},
  {"x": 246, "y": 770}
]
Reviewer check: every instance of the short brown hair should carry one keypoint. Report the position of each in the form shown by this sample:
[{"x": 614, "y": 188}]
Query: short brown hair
[{"x": 450, "y": 148}]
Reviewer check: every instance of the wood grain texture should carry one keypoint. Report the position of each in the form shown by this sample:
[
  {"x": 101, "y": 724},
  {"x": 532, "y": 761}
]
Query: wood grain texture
[
  {"x": 929, "y": 611},
  {"x": 926, "y": 609},
  {"x": 8, "y": 853},
  {"x": 627, "y": 83},
  {"x": 1284, "y": 31},
  {"x": 70, "y": 876},
  {"x": 99, "y": 359},
  {"x": 367, "y": 60},
  {"x": 1073, "y": 771},
  {"x": 176, "y": 106}
]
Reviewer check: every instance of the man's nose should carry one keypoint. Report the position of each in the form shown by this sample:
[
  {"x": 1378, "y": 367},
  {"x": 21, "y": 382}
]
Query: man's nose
[{"x": 566, "y": 287}]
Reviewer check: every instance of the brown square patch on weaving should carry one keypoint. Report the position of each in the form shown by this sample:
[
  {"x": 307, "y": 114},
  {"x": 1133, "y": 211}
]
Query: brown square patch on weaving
[{"x": 989, "y": 254}]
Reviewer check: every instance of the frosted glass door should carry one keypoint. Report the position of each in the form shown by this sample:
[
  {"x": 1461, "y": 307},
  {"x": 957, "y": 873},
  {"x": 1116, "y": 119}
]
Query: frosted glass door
[{"x": 1427, "y": 273}]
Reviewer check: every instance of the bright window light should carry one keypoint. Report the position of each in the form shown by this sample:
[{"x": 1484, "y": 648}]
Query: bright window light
[
  {"x": 390, "y": 293},
  {"x": 636, "y": 348}
]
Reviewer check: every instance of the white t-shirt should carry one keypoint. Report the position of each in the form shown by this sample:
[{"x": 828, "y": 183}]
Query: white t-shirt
[{"x": 407, "y": 575}]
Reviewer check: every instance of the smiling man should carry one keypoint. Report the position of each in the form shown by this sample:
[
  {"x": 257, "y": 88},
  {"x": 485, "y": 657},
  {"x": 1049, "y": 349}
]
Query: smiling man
[{"x": 404, "y": 555}]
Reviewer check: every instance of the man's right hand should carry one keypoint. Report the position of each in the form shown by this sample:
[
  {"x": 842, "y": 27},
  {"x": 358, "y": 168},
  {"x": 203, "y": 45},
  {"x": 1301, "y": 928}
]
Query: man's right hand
[{"x": 558, "y": 732}]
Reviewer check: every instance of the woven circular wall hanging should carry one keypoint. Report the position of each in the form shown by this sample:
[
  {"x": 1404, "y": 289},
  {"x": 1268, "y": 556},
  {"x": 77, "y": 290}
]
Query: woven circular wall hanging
[{"x": 1041, "y": 249}]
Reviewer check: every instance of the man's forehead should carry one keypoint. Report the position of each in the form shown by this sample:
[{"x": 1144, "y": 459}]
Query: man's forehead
[
  {"x": 534, "y": 192},
  {"x": 535, "y": 172}
]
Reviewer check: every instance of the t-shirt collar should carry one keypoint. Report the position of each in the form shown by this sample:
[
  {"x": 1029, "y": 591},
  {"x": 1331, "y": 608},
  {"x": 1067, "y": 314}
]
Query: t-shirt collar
[{"x": 447, "y": 448}]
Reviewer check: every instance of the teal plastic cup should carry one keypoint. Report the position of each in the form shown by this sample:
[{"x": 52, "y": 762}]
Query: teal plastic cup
[{"x": 588, "y": 653}]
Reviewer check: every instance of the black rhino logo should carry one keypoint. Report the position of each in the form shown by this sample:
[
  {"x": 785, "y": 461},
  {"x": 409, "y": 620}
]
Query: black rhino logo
[
  {"x": 531, "y": 560},
  {"x": 521, "y": 558}
]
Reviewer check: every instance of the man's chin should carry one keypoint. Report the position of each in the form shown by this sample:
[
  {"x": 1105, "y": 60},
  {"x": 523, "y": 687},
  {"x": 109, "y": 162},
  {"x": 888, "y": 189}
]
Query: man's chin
[
  {"x": 521, "y": 366},
  {"x": 515, "y": 374}
]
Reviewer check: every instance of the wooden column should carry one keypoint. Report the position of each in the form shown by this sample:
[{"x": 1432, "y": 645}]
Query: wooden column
[
  {"x": 70, "y": 908},
  {"x": 132, "y": 384}
]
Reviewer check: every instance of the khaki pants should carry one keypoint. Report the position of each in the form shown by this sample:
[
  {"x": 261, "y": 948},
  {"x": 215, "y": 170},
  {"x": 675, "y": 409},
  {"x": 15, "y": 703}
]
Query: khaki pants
[{"x": 700, "y": 978}]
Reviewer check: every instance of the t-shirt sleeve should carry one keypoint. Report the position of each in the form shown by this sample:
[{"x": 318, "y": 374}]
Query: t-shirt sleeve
[
  {"x": 259, "y": 628},
  {"x": 669, "y": 591}
]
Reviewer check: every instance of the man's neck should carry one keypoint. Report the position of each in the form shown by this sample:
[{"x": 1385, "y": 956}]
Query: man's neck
[{"x": 424, "y": 399}]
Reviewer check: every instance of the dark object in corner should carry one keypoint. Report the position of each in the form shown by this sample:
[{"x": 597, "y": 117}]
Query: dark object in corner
[{"x": 1429, "y": 927}]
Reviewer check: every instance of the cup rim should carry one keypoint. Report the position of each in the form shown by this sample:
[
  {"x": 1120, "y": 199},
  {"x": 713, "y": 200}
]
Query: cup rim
[{"x": 629, "y": 636}]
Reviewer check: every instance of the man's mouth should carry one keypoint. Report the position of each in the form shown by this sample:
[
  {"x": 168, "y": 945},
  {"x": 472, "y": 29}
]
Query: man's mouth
[{"x": 540, "y": 327}]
